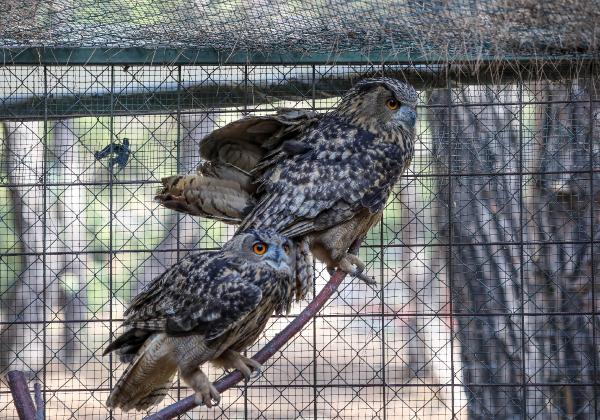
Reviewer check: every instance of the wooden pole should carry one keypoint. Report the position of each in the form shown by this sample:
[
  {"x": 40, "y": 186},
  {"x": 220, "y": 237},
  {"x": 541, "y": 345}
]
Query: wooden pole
[{"x": 21, "y": 396}]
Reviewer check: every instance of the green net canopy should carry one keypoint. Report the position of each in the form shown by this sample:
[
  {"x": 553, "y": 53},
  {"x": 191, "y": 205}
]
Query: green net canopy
[{"x": 381, "y": 30}]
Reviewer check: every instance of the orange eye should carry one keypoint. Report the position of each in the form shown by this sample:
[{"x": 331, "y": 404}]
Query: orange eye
[
  {"x": 259, "y": 248},
  {"x": 286, "y": 249},
  {"x": 392, "y": 104}
]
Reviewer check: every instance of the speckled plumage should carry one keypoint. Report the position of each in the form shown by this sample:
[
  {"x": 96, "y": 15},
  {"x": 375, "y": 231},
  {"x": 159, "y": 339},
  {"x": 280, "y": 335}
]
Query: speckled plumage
[
  {"x": 321, "y": 179},
  {"x": 208, "y": 307}
]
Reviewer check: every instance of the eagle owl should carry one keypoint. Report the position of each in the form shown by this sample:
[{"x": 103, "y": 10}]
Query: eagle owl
[
  {"x": 322, "y": 180},
  {"x": 210, "y": 306}
]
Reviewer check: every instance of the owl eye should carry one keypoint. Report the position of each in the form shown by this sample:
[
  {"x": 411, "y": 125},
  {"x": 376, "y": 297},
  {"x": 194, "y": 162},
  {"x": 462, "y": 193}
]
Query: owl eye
[
  {"x": 260, "y": 248},
  {"x": 392, "y": 104},
  {"x": 286, "y": 249}
]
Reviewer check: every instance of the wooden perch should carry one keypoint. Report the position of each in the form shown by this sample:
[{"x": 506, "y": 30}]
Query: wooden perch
[
  {"x": 22, "y": 398},
  {"x": 39, "y": 401},
  {"x": 187, "y": 404}
]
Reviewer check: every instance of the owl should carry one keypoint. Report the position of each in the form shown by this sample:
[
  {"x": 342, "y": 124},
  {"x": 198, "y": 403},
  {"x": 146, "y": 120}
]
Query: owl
[
  {"x": 209, "y": 307},
  {"x": 322, "y": 180}
]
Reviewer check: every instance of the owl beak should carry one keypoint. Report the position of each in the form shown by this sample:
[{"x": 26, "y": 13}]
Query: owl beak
[
  {"x": 280, "y": 262},
  {"x": 406, "y": 117}
]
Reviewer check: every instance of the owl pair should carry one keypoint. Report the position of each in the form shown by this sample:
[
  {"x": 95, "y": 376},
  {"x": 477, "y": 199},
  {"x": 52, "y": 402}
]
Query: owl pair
[{"x": 297, "y": 183}]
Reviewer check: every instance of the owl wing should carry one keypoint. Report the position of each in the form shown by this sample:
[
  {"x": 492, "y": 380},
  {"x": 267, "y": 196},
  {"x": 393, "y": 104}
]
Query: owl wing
[
  {"x": 243, "y": 143},
  {"x": 224, "y": 188},
  {"x": 206, "y": 295},
  {"x": 319, "y": 189}
]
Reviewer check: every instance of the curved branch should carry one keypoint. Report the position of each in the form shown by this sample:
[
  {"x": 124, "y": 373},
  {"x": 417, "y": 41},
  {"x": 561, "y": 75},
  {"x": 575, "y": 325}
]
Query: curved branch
[
  {"x": 188, "y": 403},
  {"x": 20, "y": 392}
]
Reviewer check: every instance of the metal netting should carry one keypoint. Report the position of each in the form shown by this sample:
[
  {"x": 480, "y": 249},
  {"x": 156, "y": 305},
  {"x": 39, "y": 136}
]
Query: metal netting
[
  {"x": 485, "y": 257},
  {"x": 435, "y": 30}
]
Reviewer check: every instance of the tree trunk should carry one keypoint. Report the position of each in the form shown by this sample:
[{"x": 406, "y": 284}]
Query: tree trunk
[
  {"x": 22, "y": 339},
  {"x": 69, "y": 233},
  {"x": 480, "y": 213},
  {"x": 48, "y": 220},
  {"x": 561, "y": 213},
  {"x": 502, "y": 282}
]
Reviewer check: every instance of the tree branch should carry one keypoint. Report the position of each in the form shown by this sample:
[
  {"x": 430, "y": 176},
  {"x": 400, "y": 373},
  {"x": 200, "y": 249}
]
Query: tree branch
[
  {"x": 39, "y": 401},
  {"x": 268, "y": 350},
  {"x": 21, "y": 396}
]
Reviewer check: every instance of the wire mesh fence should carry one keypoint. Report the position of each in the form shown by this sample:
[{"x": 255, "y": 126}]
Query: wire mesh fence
[{"x": 486, "y": 300}]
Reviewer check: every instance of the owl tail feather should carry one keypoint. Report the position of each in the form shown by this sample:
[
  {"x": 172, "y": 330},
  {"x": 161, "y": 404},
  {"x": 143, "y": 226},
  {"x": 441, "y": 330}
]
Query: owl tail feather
[
  {"x": 146, "y": 380},
  {"x": 200, "y": 195}
]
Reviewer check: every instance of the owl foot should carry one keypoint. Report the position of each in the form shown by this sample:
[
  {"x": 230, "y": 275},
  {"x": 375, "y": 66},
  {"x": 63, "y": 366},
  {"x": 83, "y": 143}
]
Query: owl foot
[
  {"x": 364, "y": 277},
  {"x": 347, "y": 265},
  {"x": 231, "y": 359},
  {"x": 205, "y": 391}
]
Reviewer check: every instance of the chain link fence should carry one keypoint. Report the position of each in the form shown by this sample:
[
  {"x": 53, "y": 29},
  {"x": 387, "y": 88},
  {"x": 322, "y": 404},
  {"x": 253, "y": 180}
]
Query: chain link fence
[
  {"x": 486, "y": 303},
  {"x": 486, "y": 255}
]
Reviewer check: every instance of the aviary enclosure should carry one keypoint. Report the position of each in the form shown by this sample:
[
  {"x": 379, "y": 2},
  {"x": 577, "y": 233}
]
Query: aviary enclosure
[{"x": 486, "y": 257}]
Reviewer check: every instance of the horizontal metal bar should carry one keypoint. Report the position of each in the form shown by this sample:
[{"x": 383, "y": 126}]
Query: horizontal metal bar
[
  {"x": 190, "y": 56},
  {"x": 276, "y": 386},
  {"x": 211, "y": 56},
  {"x": 498, "y": 174},
  {"x": 406, "y": 176},
  {"x": 215, "y": 90},
  {"x": 226, "y": 108},
  {"x": 105, "y": 184},
  {"x": 365, "y": 245},
  {"x": 389, "y": 315}
]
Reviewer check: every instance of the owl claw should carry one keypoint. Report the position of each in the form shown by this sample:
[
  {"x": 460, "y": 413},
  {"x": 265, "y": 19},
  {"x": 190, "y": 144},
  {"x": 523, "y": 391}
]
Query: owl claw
[
  {"x": 209, "y": 397},
  {"x": 347, "y": 265},
  {"x": 253, "y": 369},
  {"x": 215, "y": 396},
  {"x": 248, "y": 367},
  {"x": 205, "y": 391},
  {"x": 256, "y": 373},
  {"x": 362, "y": 276}
]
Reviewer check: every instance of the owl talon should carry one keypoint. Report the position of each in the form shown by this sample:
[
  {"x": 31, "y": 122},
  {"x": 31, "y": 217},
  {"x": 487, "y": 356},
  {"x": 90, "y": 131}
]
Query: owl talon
[
  {"x": 205, "y": 391},
  {"x": 348, "y": 264},
  {"x": 362, "y": 276},
  {"x": 215, "y": 395},
  {"x": 209, "y": 397},
  {"x": 256, "y": 373},
  {"x": 251, "y": 369},
  {"x": 254, "y": 365},
  {"x": 248, "y": 367}
]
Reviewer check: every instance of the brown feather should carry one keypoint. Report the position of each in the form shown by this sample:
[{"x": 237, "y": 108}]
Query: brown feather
[
  {"x": 147, "y": 379},
  {"x": 322, "y": 176},
  {"x": 209, "y": 303},
  {"x": 198, "y": 195}
]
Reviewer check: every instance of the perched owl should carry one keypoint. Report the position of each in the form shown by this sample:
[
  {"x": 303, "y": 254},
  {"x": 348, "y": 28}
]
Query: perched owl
[
  {"x": 320, "y": 179},
  {"x": 210, "y": 306}
]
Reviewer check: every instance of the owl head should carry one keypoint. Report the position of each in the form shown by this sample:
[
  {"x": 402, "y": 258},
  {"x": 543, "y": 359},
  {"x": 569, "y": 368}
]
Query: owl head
[
  {"x": 381, "y": 105},
  {"x": 264, "y": 247}
]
